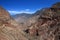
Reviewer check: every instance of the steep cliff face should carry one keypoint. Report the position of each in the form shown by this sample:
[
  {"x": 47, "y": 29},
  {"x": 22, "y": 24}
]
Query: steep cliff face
[
  {"x": 9, "y": 29},
  {"x": 4, "y": 13},
  {"x": 47, "y": 26},
  {"x": 56, "y": 5}
]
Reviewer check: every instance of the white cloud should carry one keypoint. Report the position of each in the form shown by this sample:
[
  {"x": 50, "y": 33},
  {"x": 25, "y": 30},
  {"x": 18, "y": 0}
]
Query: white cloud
[
  {"x": 21, "y": 11},
  {"x": 27, "y": 9}
]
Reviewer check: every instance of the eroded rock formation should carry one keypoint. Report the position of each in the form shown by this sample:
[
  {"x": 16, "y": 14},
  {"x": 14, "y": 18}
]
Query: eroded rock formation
[{"x": 48, "y": 25}]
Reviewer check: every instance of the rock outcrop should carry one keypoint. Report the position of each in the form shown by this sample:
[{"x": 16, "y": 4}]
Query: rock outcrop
[
  {"x": 9, "y": 28},
  {"x": 47, "y": 27},
  {"x": 4, "y": 13}
]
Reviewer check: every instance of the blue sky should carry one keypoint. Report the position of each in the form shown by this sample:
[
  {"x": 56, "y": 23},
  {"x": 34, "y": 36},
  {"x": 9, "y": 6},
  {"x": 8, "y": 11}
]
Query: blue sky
[{"x": 25, "y": 6}]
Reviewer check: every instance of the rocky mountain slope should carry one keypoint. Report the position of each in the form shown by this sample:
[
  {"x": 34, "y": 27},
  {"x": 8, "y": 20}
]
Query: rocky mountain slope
[
  {"x": 9, "y": 29},
  {"x": 47, "y": 26},
  {"x": 44, "y": 25}
]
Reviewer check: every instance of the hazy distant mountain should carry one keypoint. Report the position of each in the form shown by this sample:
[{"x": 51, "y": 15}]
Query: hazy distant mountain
[
  {"x": 22, "y": 14},
  {"x": 29, "y": 19},
  {"x": 22, "y": 18}
]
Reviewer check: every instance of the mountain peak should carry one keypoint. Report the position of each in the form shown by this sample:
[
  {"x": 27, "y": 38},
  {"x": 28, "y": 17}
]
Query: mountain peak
[
  {"x": 56, "y": 5},
  {"x": 4, "y": 13}
]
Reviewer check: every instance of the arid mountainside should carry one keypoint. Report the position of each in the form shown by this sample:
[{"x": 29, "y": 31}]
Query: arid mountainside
[
  {"x": 9, "y": 29},
  {"x": 43, "y": 25},
  {"x": 47, "y": 26}
]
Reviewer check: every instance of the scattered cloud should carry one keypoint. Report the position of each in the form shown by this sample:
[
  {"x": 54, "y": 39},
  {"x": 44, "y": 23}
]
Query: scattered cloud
[{"x": 21, "y": 11}]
